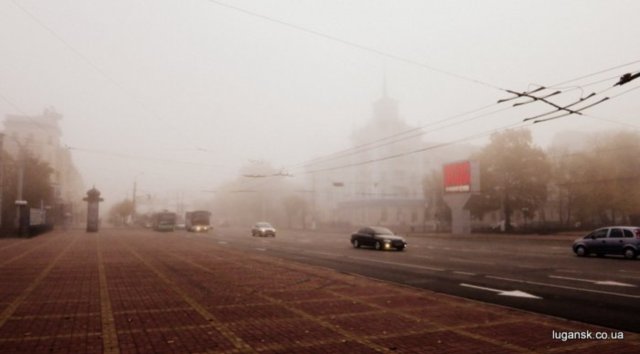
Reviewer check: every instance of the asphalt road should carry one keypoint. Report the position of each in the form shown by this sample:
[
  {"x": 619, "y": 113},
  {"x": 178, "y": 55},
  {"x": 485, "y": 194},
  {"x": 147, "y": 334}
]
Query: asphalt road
[{"x": 534, "y": 273}]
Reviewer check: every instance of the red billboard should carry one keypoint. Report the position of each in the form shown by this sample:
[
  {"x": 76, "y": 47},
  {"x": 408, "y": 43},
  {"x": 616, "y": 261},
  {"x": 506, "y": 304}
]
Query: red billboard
[{"x": 457, "y": 177}]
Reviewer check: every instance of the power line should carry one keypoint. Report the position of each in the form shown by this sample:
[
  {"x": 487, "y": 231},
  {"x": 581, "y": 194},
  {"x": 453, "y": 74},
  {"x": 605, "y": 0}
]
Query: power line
[
  {"x": 348, "y": 151},
  {"x": 431, "y": 147},
  {"x": 353, "y": 44},
  {"x": 135, "y": 157},
  {"x": 38, "y": 125},
  {"x": 419, "y": 133},
  {"x": 372, "y": 144},
  {"x": 596, "y": 73}
]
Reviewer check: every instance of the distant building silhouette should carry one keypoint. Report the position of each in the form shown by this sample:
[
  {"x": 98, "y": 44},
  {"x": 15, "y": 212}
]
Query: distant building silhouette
[
  {"x": 40, "y": 136},
  {"x": 387, "y": 192}
]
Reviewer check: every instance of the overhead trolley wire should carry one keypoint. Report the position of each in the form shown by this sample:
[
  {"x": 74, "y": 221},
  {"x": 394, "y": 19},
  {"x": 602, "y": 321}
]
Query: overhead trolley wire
[
  {"x": 354, "y": 44},
  {"x": 379, "y": 142}
]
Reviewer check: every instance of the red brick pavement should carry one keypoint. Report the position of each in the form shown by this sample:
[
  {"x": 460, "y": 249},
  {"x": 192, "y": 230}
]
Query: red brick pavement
[{"x": 122, "y": 291}]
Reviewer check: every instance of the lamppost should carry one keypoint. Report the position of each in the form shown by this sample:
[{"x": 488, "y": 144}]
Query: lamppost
[{"x": 133, "y": 198}]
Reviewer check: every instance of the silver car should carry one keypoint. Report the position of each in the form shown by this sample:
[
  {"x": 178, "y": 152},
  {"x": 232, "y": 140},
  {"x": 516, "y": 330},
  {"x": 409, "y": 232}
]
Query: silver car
[
  {"x": 263, "y": 229},
  {"x": 622, "y": 240}
]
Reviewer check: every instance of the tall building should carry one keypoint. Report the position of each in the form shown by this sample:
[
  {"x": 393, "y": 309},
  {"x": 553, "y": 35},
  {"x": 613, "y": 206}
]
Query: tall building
[
  {"x": 40, "y": 136},
  {"x": 383, "y": 183}
]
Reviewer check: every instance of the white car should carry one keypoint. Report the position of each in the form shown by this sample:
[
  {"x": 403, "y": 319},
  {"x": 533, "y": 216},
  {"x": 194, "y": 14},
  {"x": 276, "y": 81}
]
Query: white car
[{"x": 263, "y": 229}]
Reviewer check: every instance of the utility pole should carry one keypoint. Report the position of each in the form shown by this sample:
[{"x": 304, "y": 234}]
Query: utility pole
[
  {"x": 133, "y": 202},
  {"x": 1, "y": 175},
  {"x": 21, "y": 205}
]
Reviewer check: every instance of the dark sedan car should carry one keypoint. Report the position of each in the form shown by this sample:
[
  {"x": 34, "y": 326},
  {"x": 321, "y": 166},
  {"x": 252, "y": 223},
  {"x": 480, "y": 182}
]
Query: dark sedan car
[
  {"x": 624, "y": 240},
  {"x": 379, "y": 238}
]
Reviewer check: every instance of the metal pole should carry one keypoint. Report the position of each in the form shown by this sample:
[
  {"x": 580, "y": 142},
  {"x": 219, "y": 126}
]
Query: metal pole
[
  {"x": 21, "y": 154},
  {"x": 1, "y": 175},
  {"x": 133, "y": 202}
]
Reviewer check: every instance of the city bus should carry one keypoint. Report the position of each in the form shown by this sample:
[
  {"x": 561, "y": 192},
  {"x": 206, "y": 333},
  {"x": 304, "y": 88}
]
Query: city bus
[
  {"x": 197, "y": 221},
  {"x": 164, "y": 221}
]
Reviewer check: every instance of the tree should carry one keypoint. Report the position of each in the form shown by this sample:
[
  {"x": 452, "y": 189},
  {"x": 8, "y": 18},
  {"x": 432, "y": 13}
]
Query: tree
[
  {"x": 433, "y": 187},
  {"x": 36, "y": 190},
  {"x": 294, "y": 205},
  {"x": 513, "y": 174},
  {"x": 120, "y": 212},
  {"x": 599, "y": 186}
]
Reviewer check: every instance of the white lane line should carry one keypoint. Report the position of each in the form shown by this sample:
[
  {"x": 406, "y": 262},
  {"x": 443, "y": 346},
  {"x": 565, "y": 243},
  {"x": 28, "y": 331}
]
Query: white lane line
[
  {"x": 260, "y": 249},
  {"x": 222, "y": 242},
  {"x": 569, "y": 271},
  {"x": 564, "y": 287},
  {"x": 323, "y": 254},
  {"x": 597, "y": 282},
  {"x": 514, "y": 293},
  {"x": 469, "y": 261},
  {"x": 460, "y": 260},
  {"x": 399, "y": 264},
  {"x": 463, "y": 273}
]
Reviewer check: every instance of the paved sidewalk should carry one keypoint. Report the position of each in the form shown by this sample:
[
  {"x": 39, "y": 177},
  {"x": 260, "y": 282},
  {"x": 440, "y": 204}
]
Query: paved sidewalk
[{"x": 128, "y": 291}]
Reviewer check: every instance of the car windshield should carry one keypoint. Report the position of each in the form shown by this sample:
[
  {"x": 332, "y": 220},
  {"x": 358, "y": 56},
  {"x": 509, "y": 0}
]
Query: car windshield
[
  {"x": 382, "y": 231},
  {"x": 263, "y": 224}
]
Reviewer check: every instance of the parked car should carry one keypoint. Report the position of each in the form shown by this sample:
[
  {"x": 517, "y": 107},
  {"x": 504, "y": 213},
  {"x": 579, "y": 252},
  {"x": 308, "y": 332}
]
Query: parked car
[
  {"x": 624, "y": 240},
  {"x": 379, "y": 238},
  {"x": 263, "y": 229}
]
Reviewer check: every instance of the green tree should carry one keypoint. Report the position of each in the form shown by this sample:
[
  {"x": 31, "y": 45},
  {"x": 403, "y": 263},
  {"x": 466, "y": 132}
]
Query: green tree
[{"x": 514, "y": 174}]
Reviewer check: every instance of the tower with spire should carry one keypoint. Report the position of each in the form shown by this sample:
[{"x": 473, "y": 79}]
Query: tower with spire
[{"x": 386, "y": 192}]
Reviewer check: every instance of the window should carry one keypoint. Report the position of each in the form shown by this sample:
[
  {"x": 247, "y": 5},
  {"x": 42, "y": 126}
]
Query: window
[
  {"x": 616, "y": 233},
  {"x": 602, "y": 233},
  {"x": 628, "y": 233}
]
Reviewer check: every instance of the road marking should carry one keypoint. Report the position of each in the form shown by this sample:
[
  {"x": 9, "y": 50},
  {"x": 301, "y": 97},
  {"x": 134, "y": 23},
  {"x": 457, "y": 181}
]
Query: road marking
[
  {"x": 513, "y": 293},
  {"x": 564, "y": 287},
  {"x": 260, "y": 249},
  {"x": 323, "y": 254},
  {"x": 463, "y": 273},
  {"x": 109, "y": 332},
  {"x": 222, "y": 242},
  {"x": 10, "y": 308},
  {"x": 569, "y": 271},
  {"x": 469, "y": 261},
  {"x": 456, "y": 260},
  {"x": 399, "y": 264},
  {"x": 598, "y": 282},
  {"x": 425, "y": 257},
  {"x": 170, "y": 281}
]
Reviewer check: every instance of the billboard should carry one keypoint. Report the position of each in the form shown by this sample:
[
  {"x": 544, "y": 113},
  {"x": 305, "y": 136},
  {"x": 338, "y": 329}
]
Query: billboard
[{"x": 459, "y": 176}]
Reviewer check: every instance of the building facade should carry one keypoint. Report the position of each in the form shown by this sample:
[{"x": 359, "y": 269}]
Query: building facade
[
  {"x": 40, "y": 136},
  {"x": 379, "y": 181}
]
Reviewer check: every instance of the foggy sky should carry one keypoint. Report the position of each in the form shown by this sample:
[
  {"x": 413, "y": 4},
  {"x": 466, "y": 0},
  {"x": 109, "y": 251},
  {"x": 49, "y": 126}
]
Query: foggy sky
[{"x": 179, "y": 94}]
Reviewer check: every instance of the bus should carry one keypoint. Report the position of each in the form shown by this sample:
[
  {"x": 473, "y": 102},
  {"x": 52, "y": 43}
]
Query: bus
[
  {"x": 164, "y": 221},
  {"x": 197, "y": 221}
]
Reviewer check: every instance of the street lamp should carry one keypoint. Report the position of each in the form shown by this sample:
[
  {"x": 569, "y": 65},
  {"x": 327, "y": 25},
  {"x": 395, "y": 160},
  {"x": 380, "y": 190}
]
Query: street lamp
[{"x": 133, "y": 197}]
